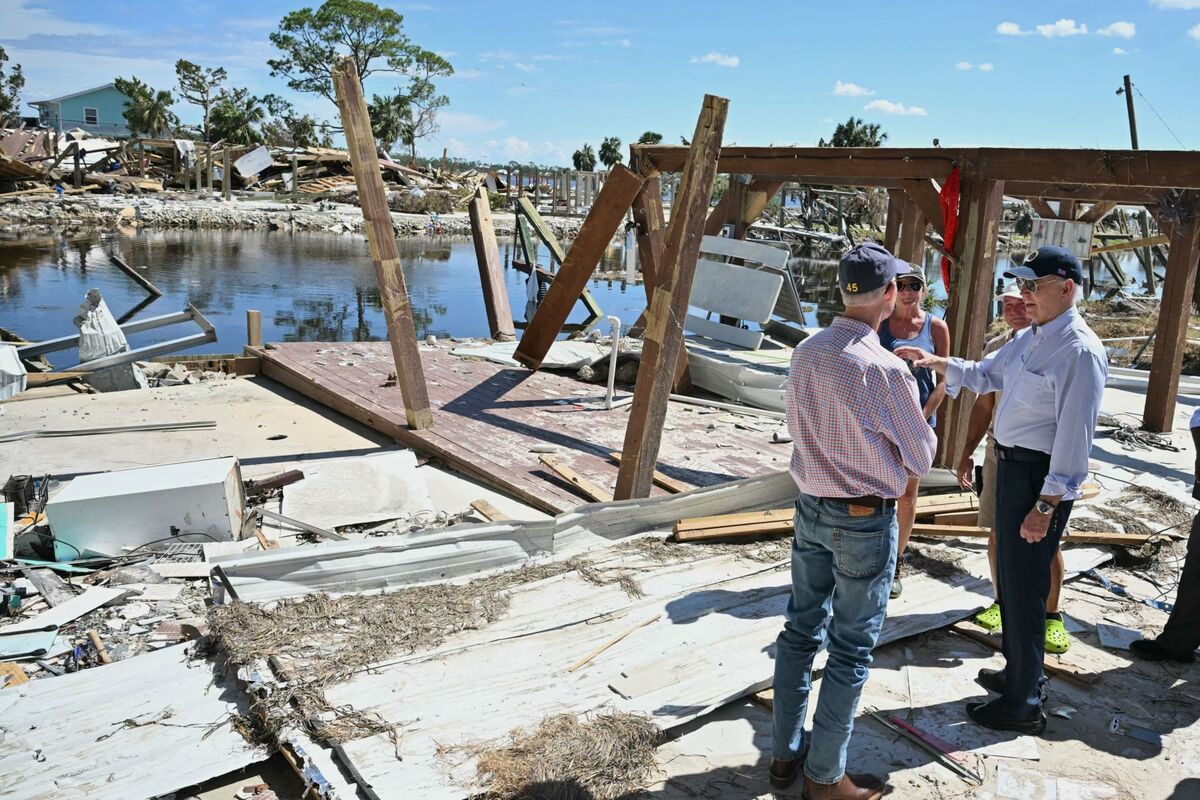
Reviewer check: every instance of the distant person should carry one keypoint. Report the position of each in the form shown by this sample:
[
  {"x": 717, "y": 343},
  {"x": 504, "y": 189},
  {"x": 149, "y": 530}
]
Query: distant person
[
  {"x": 910, "y": 325},
  {"x": 983, "y": 421},
  {"x": 1053, "y": 380},
  {"x": 858, "y": 438},
  {"x": 1181, "y": 635}
]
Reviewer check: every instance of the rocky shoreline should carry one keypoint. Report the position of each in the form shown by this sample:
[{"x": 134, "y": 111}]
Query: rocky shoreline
[{"x": 32, "y": 216}]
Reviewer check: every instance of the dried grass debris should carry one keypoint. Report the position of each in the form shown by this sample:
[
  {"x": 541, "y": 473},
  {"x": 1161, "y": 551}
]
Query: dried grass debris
[{"x": 564, "y": 758}]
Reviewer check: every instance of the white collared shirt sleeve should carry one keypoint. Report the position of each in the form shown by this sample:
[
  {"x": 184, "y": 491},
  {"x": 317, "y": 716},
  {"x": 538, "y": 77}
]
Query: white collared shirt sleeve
[
  {"x": 981, "y": 377},
  {"x": 1078, "y": 393}
]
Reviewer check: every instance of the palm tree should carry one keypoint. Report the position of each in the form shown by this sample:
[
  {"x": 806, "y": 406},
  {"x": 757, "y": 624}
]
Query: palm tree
[
  {"x": 584, "y": 158},
  {"x": 389, "y": 118},
  {"x": 650, "y": 137},
  {"x": 855, "y": 133},
  {"x": 147, "y": 110},
  {"x": 610, "y": 151},
  {"x": 237, "y": 118}
]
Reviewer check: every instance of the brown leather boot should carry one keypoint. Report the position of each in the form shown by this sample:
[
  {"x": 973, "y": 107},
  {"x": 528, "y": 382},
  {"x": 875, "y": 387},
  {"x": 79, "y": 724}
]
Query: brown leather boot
[{"x": 850, "y": 787}]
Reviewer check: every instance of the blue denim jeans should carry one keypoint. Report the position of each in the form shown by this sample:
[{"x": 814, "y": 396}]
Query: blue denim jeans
[{"x": 841, "y": 564}]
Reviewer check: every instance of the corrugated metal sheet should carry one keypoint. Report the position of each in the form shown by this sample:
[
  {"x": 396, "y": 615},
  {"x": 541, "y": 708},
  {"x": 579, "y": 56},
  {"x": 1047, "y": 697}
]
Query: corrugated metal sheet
[{"x": 133, "y": 729}]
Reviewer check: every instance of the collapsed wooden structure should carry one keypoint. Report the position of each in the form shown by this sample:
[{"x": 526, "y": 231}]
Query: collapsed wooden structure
[{"x": 956, "y": 192}]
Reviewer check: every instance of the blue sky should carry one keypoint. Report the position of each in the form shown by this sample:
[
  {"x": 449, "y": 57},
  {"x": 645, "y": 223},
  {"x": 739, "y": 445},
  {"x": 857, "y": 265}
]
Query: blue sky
[{"x": 536, "y": 79}]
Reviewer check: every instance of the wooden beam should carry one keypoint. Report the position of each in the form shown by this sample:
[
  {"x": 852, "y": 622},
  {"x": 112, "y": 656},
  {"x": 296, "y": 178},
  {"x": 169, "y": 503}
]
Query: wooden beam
[
  {"x": 1066, "y": 209},
  {"x": 1132, "y": 244},
  {"x": 1084, "y": 193},
  {"x": 541, "y": 228},
  {"x": 1042, "y": 208},
  {"x": 488, "y": 511},
  {"x": 1164, "y": 169},
  {"x": 895, "y": 219},
  {"x": 491, "y": 277},
  {"x": 1097, "y": 212},
  {"x": 925, "y": 194},
  {"x": 670, "y": 484},
  {"x": 1053, "y": 667},
  {"x": 980, "y": 209},
  {"x": 1173, "y": 314},
  {"x": 615, "y": 198},
  {"x": 525, "y": 237},
  {"x": 385, "y": 256},
  {"x": 664, "y": 331},
  {"x": 586, "y": 487},
  {"x": 912, "y": 232}
]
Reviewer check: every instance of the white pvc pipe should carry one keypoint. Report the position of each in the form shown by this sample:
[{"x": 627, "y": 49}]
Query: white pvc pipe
[{"x": 612, "y": 360}]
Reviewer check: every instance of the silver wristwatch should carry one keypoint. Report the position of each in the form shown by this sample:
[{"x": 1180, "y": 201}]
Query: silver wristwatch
[{"x": 1044, "y": 508}]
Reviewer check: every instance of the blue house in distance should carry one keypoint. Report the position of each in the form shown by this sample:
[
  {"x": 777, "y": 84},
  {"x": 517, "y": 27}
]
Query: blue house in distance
[{"x": 100, "y": 111}]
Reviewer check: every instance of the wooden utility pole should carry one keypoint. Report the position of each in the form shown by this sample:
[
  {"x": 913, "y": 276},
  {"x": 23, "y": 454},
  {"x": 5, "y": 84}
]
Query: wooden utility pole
[
  {"x": 226, "y": 176},
  {"x": 491, "y": 277},
  {"x": 664, "y": 329},
  {"x": 1132, "y": 116},
  {"x": 381, "y": 236}
]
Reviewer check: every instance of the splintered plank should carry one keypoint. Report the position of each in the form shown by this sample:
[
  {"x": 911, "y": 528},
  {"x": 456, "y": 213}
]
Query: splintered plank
[
  {"x": 585, "y": 486},
  {"x": 491, "y": 277},
  {"x": 664, "y": 481},
  {"x": 597, "y": 231},
  {"x": 663, "y": 339},
  {"x": 385, "y": 255}
]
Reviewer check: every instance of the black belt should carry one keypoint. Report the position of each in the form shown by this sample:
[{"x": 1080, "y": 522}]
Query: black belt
[
  {"x": 1022, "y": 454},
  {"x": 870, "y": 501}
]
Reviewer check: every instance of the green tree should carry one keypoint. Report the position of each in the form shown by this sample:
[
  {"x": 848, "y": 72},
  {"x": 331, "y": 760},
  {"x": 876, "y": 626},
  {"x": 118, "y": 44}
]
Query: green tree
[
  {"x": 311, "y": 42},
  {"x": 610, "y": 151},
  {"x": 147, "y": 110},
  {"x": 584, "y": 158},
  {"x": 650, "y": 137},
  {"x": 236, "y": 117},
  {"x": 200, "y": 86},
  {"x": 11, "y": 83},
  {"x": 423, "y": 100},
  {"x": 286, "y": 128},
  {"x": 854, "y": 133},
  {"x": 390, "y": 117}
]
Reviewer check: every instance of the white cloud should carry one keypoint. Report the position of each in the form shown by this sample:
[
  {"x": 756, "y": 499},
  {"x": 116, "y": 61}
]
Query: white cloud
[
  {"x": 517, "y": 149},
  {"x": 466, "y": 74},
  {"x": 1119, "y": 51},
  {"x": 1011, "y": 29},
  {"x": 1122, "y": 30},
  {"x": 525, "y": 67},
  {"x": 888, "y": 107},
  {"x": 1186, "y": 5},
  {"x": 519, "y": 91},
  {"x": 720, "y": 59},
  {"x": 964, "y": 65},
  {"x": 850, "y": 90},
  {"x": 22, "y": 20},
  {"x": 1062, "y": 27},
  {"x": 986, "y": 67},
  {"x": 498, "y": 55},
  {"x": 251, "y": 23},
  {"x": 463, "y": 123},
  {"x": 1195, "y": 33}
]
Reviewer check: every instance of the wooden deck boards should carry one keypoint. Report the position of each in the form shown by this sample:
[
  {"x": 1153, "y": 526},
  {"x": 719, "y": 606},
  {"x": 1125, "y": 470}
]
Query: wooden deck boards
[{"x": 487, "y": 419}]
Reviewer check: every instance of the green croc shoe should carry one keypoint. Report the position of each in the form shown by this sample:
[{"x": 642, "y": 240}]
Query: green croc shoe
[
  {"x": 1057, "y": 638},
  {"x": 990, "y": 618}
]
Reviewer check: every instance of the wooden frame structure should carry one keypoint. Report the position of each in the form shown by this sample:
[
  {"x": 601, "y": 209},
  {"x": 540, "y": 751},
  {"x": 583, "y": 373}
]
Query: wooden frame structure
[{"x": 1166, "y": 182}]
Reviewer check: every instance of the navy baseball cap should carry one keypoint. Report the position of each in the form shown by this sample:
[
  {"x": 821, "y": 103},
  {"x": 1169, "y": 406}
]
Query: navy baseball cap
[
  {"x": 1049, "y": 260},
  {"x": 867, "y": 267}
]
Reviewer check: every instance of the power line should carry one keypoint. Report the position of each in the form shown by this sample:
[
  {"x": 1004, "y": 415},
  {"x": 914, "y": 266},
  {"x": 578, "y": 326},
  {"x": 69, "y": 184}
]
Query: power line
[{"x": 1160, "y": 119}]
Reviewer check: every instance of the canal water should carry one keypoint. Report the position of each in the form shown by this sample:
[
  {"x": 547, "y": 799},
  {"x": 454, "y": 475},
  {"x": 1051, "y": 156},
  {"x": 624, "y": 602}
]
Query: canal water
[{"x": 309, "y": 287}]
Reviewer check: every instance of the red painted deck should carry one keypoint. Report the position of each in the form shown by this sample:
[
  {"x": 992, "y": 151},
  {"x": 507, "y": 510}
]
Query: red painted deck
[{"x": 488, "y": 418}]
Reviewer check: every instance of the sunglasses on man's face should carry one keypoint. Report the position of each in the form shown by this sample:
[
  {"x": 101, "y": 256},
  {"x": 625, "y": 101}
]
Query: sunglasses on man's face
[
  {"x": 909, "y": 286},
  {"x": 1031, "y": 285}
]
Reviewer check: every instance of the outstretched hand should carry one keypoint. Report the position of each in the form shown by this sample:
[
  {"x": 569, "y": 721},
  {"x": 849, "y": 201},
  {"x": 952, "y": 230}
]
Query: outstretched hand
[{"x": 923, "y": 358}]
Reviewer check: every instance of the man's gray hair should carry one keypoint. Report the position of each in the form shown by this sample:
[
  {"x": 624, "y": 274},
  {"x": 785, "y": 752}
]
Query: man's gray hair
[{"x": 863, "y": 298}]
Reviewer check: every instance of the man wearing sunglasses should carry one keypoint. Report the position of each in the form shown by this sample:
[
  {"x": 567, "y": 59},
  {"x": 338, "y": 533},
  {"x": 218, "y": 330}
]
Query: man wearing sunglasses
[{"x": 1053, "y": 380}]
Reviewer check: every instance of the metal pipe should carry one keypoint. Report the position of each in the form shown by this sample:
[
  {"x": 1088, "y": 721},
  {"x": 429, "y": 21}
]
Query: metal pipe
[
  {"x": 612, "y": 360},
  {"x": 62, "y": 343},
  {"x": 143, "y": 353}
]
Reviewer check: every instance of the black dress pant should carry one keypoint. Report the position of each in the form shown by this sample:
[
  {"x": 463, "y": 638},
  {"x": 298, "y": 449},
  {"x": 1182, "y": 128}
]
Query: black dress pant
[
  {"x": 1023, "y": 570},
  {"x": 1181, "y": 635}
]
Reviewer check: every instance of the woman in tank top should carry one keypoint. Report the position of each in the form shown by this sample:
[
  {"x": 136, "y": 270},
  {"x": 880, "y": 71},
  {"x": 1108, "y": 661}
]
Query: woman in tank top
[{"x": 910, "y": 325}]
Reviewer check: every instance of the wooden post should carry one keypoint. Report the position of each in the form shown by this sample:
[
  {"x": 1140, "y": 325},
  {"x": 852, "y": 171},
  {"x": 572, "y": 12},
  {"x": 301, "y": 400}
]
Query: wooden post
[
  {"x": 208, "y": 168},
  {"x": 664, "y": 330},
  {"x": 912, "y": 230},
  {"x": 491, "y": 278},
  {"x": 382, "y": 238},
  {"x": 594, "y": 236},
  {"x": 1170, "y": 336},
  {"x": 199, "y": 168},
  {"x": 1066, "y": 210},
  {"x": 254, "y": 328},
  {"x": 649, "y": 218},
  {"x": 174, "y": 161},
  {"x": 980, "y": 210},
  {"x": 296, "y": 174},
  {"x": 78, "y": 176},
  {"x": 226, "y": 176},
  {"x": 895, "y": 218},
  {"x": 1147, "y": 253}
]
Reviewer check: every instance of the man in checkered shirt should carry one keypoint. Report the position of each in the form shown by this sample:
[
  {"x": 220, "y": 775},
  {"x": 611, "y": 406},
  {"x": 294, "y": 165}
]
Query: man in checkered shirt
[{"x": 858, "y": 435}]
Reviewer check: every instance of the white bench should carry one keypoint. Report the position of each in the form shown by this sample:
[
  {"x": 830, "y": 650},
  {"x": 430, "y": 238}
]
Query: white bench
[{"x": 748, "y": 291}]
